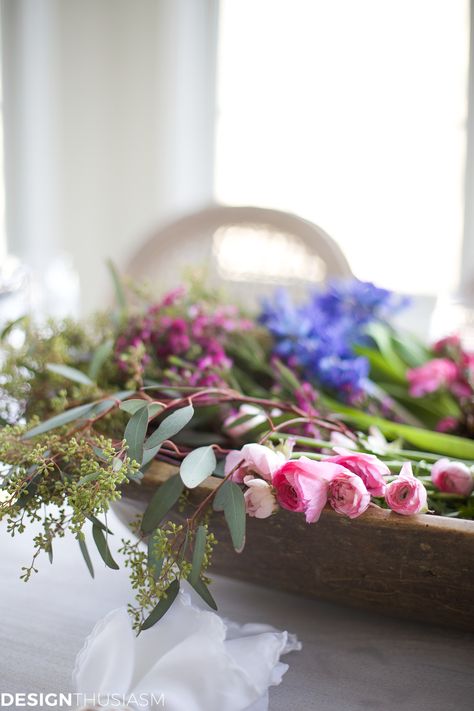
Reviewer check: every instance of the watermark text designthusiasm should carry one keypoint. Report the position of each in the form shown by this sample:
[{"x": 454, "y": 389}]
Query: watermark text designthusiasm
[{"x": 76, "y": 700}]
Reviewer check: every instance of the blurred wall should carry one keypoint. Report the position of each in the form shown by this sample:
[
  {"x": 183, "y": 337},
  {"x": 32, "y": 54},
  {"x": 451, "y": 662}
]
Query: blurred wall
[{"x": 109, "y": 126}]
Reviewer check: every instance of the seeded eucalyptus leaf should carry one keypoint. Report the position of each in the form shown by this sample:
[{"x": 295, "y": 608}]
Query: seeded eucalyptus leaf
[
  {"x": 63, "y": 418},
  {"x": 99, "y": 524},
  {"x": 103, "y": 548},
  {"x": 66, "y": 371},
  {"x": 203, "y": 591},
  {"x": 88, "y": 477},
  {"x": 198, "y": 554},
  {"x": 219, "y": 470},
  {"x": 149, "y": 455},
  {"x": 85, "y": 554},
  {"x": 155, "y": 563},
  {"x": 135, "y": 433},
  {"x": 163, "y": 500},
  {"x": 163, "y": 606},
  {"x": 230, "y": 500},
  {"x": 170, "y": 426},
  {"x": 197, "y": 466},
  {"x": 131, "y": 406}
]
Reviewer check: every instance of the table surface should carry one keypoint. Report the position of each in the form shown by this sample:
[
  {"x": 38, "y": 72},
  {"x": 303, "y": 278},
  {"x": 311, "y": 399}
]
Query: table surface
[{"x": 351, "y": 660}]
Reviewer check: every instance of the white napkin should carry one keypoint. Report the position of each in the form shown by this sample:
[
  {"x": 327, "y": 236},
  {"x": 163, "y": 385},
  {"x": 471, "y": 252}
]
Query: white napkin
[{"x": 191, "y": 660}]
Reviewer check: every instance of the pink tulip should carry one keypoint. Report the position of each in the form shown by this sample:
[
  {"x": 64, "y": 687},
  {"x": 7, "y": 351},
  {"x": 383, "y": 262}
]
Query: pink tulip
[
  {"x": 406, "y": 495},
  {"x": 452, "y": 477},
  {"x": 348, "y": 494},
  {"x": 370, "y": 469}
]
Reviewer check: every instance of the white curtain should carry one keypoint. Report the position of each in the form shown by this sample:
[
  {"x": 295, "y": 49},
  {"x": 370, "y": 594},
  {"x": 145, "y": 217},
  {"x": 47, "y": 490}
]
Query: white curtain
[{"x": 109, "y": 126}]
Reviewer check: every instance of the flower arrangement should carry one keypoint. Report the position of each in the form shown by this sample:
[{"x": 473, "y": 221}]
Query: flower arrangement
[{"x": 287, "y": 410}]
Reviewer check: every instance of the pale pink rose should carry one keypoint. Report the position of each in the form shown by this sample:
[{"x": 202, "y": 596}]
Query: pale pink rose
[
  {"x": 452, "y": 477},
  {"x": 257, "y": 459},
  {"x": 259, "y": 498},
  {"x": 406, "y": 494},
  {"x": 302, "y": 485},
  {"x": 348, "y": 494},
  {"x": 436, "y": 373},
  {"x": 370, "y": 469}
]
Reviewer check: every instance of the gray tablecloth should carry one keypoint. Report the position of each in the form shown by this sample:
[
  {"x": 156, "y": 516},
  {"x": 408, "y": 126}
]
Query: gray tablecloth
[{"x": 351, "y": 661}]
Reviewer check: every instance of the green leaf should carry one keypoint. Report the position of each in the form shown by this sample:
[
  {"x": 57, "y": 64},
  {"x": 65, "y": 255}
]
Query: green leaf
[
  {"x": 118, "y": 288},
  {"x": 425, "y": 440},
  {"x": 230, "y": 499},
  {"x": 103, "y": 548},
  {"x": 135, "y": 433},
  {"x": 413, "y": 352},
  {"x": 99, "y": 524},
  {"x": 198, "y": 554},
  {"x": 11, "y": 325},
  {"x": 288, "y": 378},
  {"x": 63, "y": 418},
  {"x": 163, "y": 606},
  {"x": 163, "y": 500},
  {"x": 155, "y": 563},
  {"x": 382, "y": 337},
  {"x": 170, "y": 426},
  {"x": 98, "y": 359},
  {"x": 203, "y": 591},
  {"x": 109, "y": 403},
  {"x": 85, "y": 554},
  {"x": 197, "y": 466},
  {"x": 131, "y": 406},
  {"x": 149, "y": 455},
  {"x": 88, "y": 477},
  {"x": 379, "y": 366},
  {"x": 70, "y": 373}
]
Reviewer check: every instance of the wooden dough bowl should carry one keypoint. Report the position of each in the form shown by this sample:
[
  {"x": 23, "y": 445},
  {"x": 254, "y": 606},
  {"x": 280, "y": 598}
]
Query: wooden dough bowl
[{"x": 416, "y": 567}]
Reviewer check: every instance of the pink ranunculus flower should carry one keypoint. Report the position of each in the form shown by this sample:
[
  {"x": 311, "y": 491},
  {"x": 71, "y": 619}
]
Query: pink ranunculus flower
[
  {"x": 436, "y": 373},
  {"x": 366, "y": 466},
  {"x": 259, "y": 498},
  {"x": 406, "y": 495},
  {"x": 452, "y": 477},
  {"x": 348, "y": 494},
  {"x": 302, "y": 485},
  {"x": 257, "y": 459}
]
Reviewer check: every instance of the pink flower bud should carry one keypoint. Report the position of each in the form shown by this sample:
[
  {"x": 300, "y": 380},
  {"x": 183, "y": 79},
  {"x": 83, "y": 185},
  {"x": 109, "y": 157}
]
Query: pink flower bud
[
  {"x": 452, "y": 477},
  {"x": 406, "y": 495}
]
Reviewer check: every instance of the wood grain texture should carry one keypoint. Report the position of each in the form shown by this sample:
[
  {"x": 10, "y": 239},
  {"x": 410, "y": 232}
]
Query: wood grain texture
[{"x": 415, "y": 567}]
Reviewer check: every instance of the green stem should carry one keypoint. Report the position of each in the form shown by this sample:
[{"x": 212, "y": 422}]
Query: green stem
[{"x": 407, "y": 454}]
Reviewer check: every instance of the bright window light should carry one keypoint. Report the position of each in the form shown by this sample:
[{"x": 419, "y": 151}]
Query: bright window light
[{"x": 352, "y": 115}]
